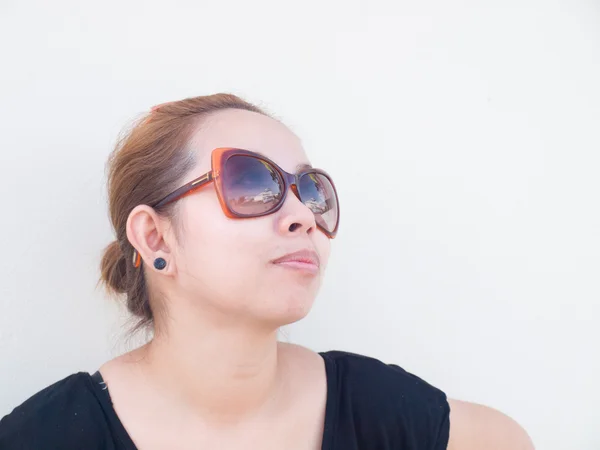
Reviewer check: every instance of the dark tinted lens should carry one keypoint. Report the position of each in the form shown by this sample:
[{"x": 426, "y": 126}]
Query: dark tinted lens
[
  {"x": 318, "y": 194},
  {"x": 251, "y": 186}
]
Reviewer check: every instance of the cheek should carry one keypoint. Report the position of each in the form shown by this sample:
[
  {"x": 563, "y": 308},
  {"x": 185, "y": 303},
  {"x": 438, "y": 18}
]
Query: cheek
[
  {"x": 323, "y": 246},
  {"x": 222, "y": 254},
  {"x": 218, "y": 248}
]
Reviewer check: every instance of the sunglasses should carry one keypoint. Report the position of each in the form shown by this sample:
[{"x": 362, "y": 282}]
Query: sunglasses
[{"x": 251, "y": 185}]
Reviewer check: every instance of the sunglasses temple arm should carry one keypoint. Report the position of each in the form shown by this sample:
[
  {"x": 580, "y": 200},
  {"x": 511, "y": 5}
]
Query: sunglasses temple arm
[
  {"x": 185, "y": 189},
  {"x": 176, "y": 195}
]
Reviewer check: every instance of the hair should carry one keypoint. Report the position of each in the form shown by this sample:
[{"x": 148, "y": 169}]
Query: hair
[{"x": 148, "y": 163}]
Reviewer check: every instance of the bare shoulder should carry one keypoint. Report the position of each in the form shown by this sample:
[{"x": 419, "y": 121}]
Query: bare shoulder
[
  {"x": 300, "y": 357},
  {"x": 124, "y": 363},
  {"x": 303, "y": 366},
  {"x": 474, "y": 426},
  {"x": 305, "y": 372},
  {"x": 124, "y": 379}
]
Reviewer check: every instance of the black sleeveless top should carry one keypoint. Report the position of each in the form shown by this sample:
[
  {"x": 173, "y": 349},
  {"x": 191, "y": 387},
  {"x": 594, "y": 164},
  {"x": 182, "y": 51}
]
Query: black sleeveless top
[{"x": 370, "y": 405}]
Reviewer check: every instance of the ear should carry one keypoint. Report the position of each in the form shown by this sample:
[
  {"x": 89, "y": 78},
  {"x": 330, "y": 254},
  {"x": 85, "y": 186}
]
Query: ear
[{"x": 149, "y": 234}]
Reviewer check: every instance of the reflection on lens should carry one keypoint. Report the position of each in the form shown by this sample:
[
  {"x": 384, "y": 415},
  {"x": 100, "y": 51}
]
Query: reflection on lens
[
  {"x": 251, "y": 186},
  {"x": 318, "y": 194}
]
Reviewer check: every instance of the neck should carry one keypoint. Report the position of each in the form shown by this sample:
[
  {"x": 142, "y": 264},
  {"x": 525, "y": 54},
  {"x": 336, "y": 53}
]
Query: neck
[{"x": 223, "y": 373}]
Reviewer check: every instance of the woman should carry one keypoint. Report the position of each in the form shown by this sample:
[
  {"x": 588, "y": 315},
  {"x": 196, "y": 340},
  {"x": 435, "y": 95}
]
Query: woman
[{"x": 223, "y": 235}]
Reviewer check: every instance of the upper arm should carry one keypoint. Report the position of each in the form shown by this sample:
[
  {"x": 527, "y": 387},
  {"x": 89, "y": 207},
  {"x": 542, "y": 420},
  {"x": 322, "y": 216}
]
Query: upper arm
[{"x": 475, "y": 427}]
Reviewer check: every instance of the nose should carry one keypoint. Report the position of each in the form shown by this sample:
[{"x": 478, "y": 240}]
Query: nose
[{"x": 295, "y": 217}]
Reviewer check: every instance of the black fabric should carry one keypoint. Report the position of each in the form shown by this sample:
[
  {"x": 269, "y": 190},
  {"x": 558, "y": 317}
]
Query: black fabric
[{"x": 370, "y": 406}]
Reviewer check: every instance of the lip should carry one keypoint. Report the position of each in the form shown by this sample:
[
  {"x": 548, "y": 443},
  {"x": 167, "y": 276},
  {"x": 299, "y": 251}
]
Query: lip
[{"x": 303, "y": 260}]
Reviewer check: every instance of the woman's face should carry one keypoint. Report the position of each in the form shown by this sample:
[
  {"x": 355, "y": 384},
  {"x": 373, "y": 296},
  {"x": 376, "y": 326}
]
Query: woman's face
[{"x": 225, "y": 266}]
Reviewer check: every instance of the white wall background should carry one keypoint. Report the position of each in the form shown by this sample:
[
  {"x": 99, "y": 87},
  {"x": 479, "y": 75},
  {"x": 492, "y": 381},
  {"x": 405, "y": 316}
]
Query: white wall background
[{"x": 463, "y": 137}]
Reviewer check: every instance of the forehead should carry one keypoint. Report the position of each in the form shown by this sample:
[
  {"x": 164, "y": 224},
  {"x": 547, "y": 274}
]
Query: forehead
[{"x": 250, "y": 131}]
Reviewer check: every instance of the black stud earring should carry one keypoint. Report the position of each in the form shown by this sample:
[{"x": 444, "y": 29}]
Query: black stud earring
[{"x": 160, "y": 263}]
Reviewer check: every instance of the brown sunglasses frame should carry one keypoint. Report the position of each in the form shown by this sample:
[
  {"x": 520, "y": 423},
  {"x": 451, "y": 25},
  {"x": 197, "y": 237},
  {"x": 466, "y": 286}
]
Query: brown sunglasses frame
[{"x": 219, "y": 157}]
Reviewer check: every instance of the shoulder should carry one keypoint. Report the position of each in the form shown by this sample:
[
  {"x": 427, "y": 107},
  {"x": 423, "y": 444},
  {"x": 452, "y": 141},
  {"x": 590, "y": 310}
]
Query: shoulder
[
  {"x": 383, "y": 381},
  {"x": 62, "y": 415},
  {"x": 386, "y": 398},
  {"x": 476, "y": 426}
]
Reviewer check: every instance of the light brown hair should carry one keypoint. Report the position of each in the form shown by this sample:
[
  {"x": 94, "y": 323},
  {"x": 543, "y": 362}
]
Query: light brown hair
[{"x": 148, "y": 163}]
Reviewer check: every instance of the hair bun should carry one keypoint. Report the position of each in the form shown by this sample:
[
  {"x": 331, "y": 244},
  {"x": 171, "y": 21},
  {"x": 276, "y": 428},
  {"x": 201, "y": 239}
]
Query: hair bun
[{"x": 113, "y": 269}]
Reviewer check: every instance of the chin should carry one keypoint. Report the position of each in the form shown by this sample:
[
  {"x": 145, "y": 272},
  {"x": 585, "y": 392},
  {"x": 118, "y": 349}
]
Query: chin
[
  {"x": 295, "y": 315},
  {"x": 290, "y": 311}
]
